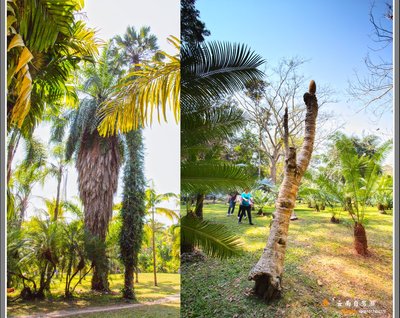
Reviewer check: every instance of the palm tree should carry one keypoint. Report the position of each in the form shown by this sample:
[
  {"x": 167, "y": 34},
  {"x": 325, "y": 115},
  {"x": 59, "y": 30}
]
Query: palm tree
[
  {"x": 137, "y": 47},
  {"x": 130, "y": 50},
  {"x": 210, "y": 72},
  {"x": 152, "y": 201},
  {"x": 360, "y": 174},
  {"x": 58, "y": 169},
  {"x": 151, "y": 87},
  {"x": 25, "y": 176},
  {"x": 38, "y": 256},
  {"x": 46, "y": 42},
  {"x": 98, "y": 159},
  {"x": 384, "y": 193},
  {"x": 133, "y": 209}
]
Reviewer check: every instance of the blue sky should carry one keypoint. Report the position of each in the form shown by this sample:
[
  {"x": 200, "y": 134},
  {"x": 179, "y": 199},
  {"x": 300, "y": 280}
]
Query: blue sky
[{"x": 334, "y": 35}]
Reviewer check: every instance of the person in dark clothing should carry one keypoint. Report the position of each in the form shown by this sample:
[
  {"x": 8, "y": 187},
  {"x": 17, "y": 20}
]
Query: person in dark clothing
[
  {"x": 232, "y": 202},
  {"x": 246, "y": 206}
]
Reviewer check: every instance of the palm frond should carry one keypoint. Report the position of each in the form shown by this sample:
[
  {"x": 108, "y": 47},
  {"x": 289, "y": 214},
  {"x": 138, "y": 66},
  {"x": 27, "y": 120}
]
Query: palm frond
[
  {"x": 209, "y": 176},
  {"x": 170, "y": 214},
  {"x": 209, "y": 124},
  {"x": 35, "y": 152},
  {"x": 151, "y": 88},
  {"x": 213, "y": 70},
  {"x": 214, "y": 239}
]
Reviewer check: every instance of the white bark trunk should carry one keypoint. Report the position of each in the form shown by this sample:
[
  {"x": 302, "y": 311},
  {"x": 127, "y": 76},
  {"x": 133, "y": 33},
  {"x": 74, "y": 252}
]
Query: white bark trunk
[{"x": 267, "y": 273}]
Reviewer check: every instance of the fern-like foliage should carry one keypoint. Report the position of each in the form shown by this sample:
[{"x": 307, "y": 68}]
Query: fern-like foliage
[
  {"x": 215, "y": 69},
  {"x": 206, "y": 176},
  {"x": 214, "y": 239}
]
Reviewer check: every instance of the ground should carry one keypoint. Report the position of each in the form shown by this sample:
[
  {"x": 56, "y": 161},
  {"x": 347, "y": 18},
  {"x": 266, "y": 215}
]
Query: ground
[
  {"x": 168, "y": 284},
  {"x": 323, "y": 276}
]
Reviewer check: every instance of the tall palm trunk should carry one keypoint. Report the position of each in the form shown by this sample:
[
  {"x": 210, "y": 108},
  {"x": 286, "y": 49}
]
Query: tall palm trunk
[
  {"x": 199, "y": 205},
  {"x": 268, "y": 271},
  {"x": 98, "y": 165},
  {"x": 59, "y": 180},
  {"x": 22, "y": 212},
  {"x": 11, "y": 150},
  {"x": 154, "y": 246},
  {"x": 136, "y": 275},
  {"x": 133, "y": 210}
]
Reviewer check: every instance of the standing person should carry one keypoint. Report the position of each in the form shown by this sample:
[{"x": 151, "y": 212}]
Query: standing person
[
  {"x": 239, "y": 201},
  {"x": 246, "y": 205},
  {"x": 232, "y": 202}
]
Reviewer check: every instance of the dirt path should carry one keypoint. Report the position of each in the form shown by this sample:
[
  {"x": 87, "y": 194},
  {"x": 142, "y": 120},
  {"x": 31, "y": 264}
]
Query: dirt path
[{"x": 90, "y": 310}]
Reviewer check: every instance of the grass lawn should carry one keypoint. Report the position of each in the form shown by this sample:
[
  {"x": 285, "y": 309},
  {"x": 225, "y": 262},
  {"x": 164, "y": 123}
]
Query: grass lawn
[
  {"x": 168, "y": 284},
  {"x": 321, "y": 270},
  {"x": 170, "y": 310}
]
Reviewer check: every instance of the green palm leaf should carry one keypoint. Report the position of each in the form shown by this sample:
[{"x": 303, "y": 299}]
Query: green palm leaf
[
  {"x": 214, "y": 239},
  {"x": 213, "y": 70},
  {"x": 207, "y": 124},
  {"x": 208, "y": 176}
]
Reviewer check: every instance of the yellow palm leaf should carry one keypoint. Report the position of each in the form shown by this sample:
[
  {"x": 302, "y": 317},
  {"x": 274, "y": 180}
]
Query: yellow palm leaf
[
  {"x": 23, "y": 103},
  {"x": 152, "y": 89},
  {"x": 16, "y": 41},
  {"x": 25, "y": 57}
]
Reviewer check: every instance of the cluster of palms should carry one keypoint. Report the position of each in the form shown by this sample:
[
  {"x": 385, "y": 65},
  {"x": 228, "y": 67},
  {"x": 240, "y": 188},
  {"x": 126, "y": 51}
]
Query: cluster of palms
[
  {"x": 53, "y": 64},
  {"x": 351, "y": 178}
]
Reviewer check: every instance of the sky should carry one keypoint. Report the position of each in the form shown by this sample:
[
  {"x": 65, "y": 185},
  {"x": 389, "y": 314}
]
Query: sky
[
  {"x": 161, "y": 141},
  {"x": 334, "y": 36}
]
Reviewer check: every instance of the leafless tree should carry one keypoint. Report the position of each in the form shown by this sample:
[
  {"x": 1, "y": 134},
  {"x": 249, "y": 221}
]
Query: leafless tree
[
  {"x": 265, "y": 104},
  {"x": 375, "y": 90}
]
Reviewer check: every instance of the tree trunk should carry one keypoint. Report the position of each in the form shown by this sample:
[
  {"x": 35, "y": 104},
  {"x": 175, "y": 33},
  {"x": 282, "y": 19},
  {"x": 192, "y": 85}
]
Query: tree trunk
[
  {"x": 12, "y": 148},
  {"x": 98, "y": 165},
  {"x": 198, "y": 212},
  {"x": 154, "y": 249},
  {"x": 199, "y": 206},
  {"x": 381, "y": 208},
  {"x": 268, "y": 271},
  {"x": 22, "y": 212},
  {"x": 128, "y": 291},
  {"x": 57, "y": 207},
  {"x": 133, "y": 209},
  {"x": 273, "y": 163},
  {"x": 360, "y": 239},
  {"x": 136, "y": 275},
  {"x": 100, "y": 278}
]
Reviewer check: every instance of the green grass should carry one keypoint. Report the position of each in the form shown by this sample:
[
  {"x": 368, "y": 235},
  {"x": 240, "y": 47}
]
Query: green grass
[
  {"x": 168, "y": 284},
  {"x": 170, "y": 310},
  {"x": 319, "y": 253}
]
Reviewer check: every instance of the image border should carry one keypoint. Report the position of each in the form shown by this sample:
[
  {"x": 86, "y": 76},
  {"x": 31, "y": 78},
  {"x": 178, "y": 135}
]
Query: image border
[
  {"x": 396, "y": 194},
  {"x": 3, "y": 105}
]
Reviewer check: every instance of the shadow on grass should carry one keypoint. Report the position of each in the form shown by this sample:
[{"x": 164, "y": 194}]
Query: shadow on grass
[
  {"x": 320, "y": 264},
  {"x": 84, "y": 297}
]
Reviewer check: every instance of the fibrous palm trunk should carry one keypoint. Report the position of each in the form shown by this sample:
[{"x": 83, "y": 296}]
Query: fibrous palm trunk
[
  {"x": 199, "y": 205},
  {"x": 360, "y": 239},
  {"x": 59, "y": 179},
  {"x": 133, "y": 209},
  {"x": 98, "y": 165},
  {"x": 154, "y": 248},
  {"x": 268, "y": 271}
]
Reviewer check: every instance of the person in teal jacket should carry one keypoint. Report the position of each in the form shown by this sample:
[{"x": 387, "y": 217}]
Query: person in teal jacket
[{"x": 246, "y": 205}]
